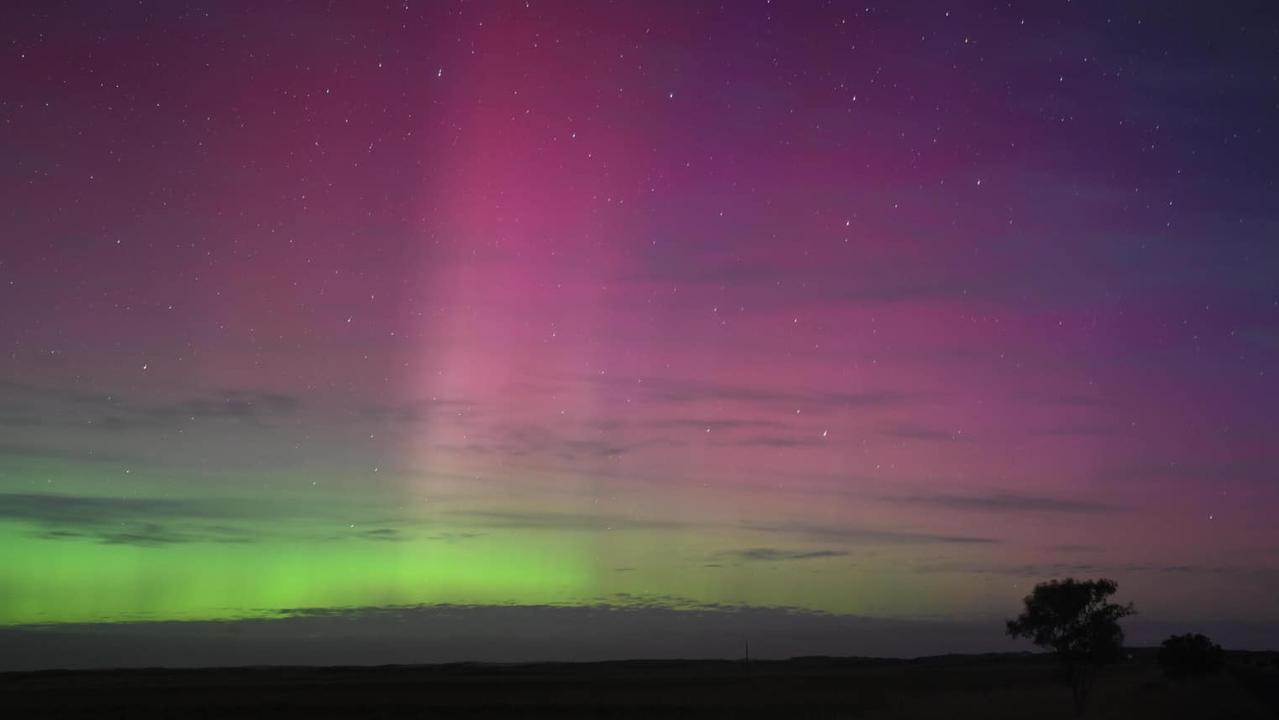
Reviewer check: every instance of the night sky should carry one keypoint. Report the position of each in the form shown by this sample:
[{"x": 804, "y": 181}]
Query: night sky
[{"x": 832, "y": 311}]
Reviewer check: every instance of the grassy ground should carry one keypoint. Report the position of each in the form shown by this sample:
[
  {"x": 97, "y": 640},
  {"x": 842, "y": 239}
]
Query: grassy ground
[{"x": 988, "y": 686}]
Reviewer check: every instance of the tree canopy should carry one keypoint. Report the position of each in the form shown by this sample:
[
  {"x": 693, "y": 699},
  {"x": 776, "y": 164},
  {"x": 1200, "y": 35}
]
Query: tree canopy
[{"x": 1075, "y": 619}]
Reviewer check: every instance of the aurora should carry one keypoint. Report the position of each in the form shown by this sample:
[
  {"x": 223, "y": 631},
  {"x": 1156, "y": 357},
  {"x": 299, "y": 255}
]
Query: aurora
[{"x": 863, "y": 312}]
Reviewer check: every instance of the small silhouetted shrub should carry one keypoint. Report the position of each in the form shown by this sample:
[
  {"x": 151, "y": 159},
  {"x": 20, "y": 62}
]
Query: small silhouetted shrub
[{"x": 1190, "y": 655}]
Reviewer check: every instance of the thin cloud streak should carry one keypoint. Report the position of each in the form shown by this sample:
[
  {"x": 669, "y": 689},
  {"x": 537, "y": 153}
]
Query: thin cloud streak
[
  {"x": 765, "y": 554},
  {"x": 1003, "y": 503},
  {"x": 864, "y": 536}
]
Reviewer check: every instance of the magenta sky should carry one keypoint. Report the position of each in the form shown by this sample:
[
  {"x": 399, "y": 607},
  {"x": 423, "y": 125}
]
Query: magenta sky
[{"x": 883, "y": 310}]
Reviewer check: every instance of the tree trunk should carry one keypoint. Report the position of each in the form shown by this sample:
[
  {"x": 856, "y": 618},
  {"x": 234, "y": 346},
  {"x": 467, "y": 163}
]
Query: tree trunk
[{"x": 1080, "y": 684}]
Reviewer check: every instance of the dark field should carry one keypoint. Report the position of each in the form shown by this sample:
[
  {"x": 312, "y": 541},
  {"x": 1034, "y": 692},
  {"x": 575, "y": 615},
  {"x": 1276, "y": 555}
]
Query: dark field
[{"x": 979, "y": 686}]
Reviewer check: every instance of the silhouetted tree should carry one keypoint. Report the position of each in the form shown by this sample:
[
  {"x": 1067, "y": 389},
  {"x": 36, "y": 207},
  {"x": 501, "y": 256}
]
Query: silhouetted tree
[
  {"x": 1077, "y": 621},
  {"x": 1183, "y": 656}
]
